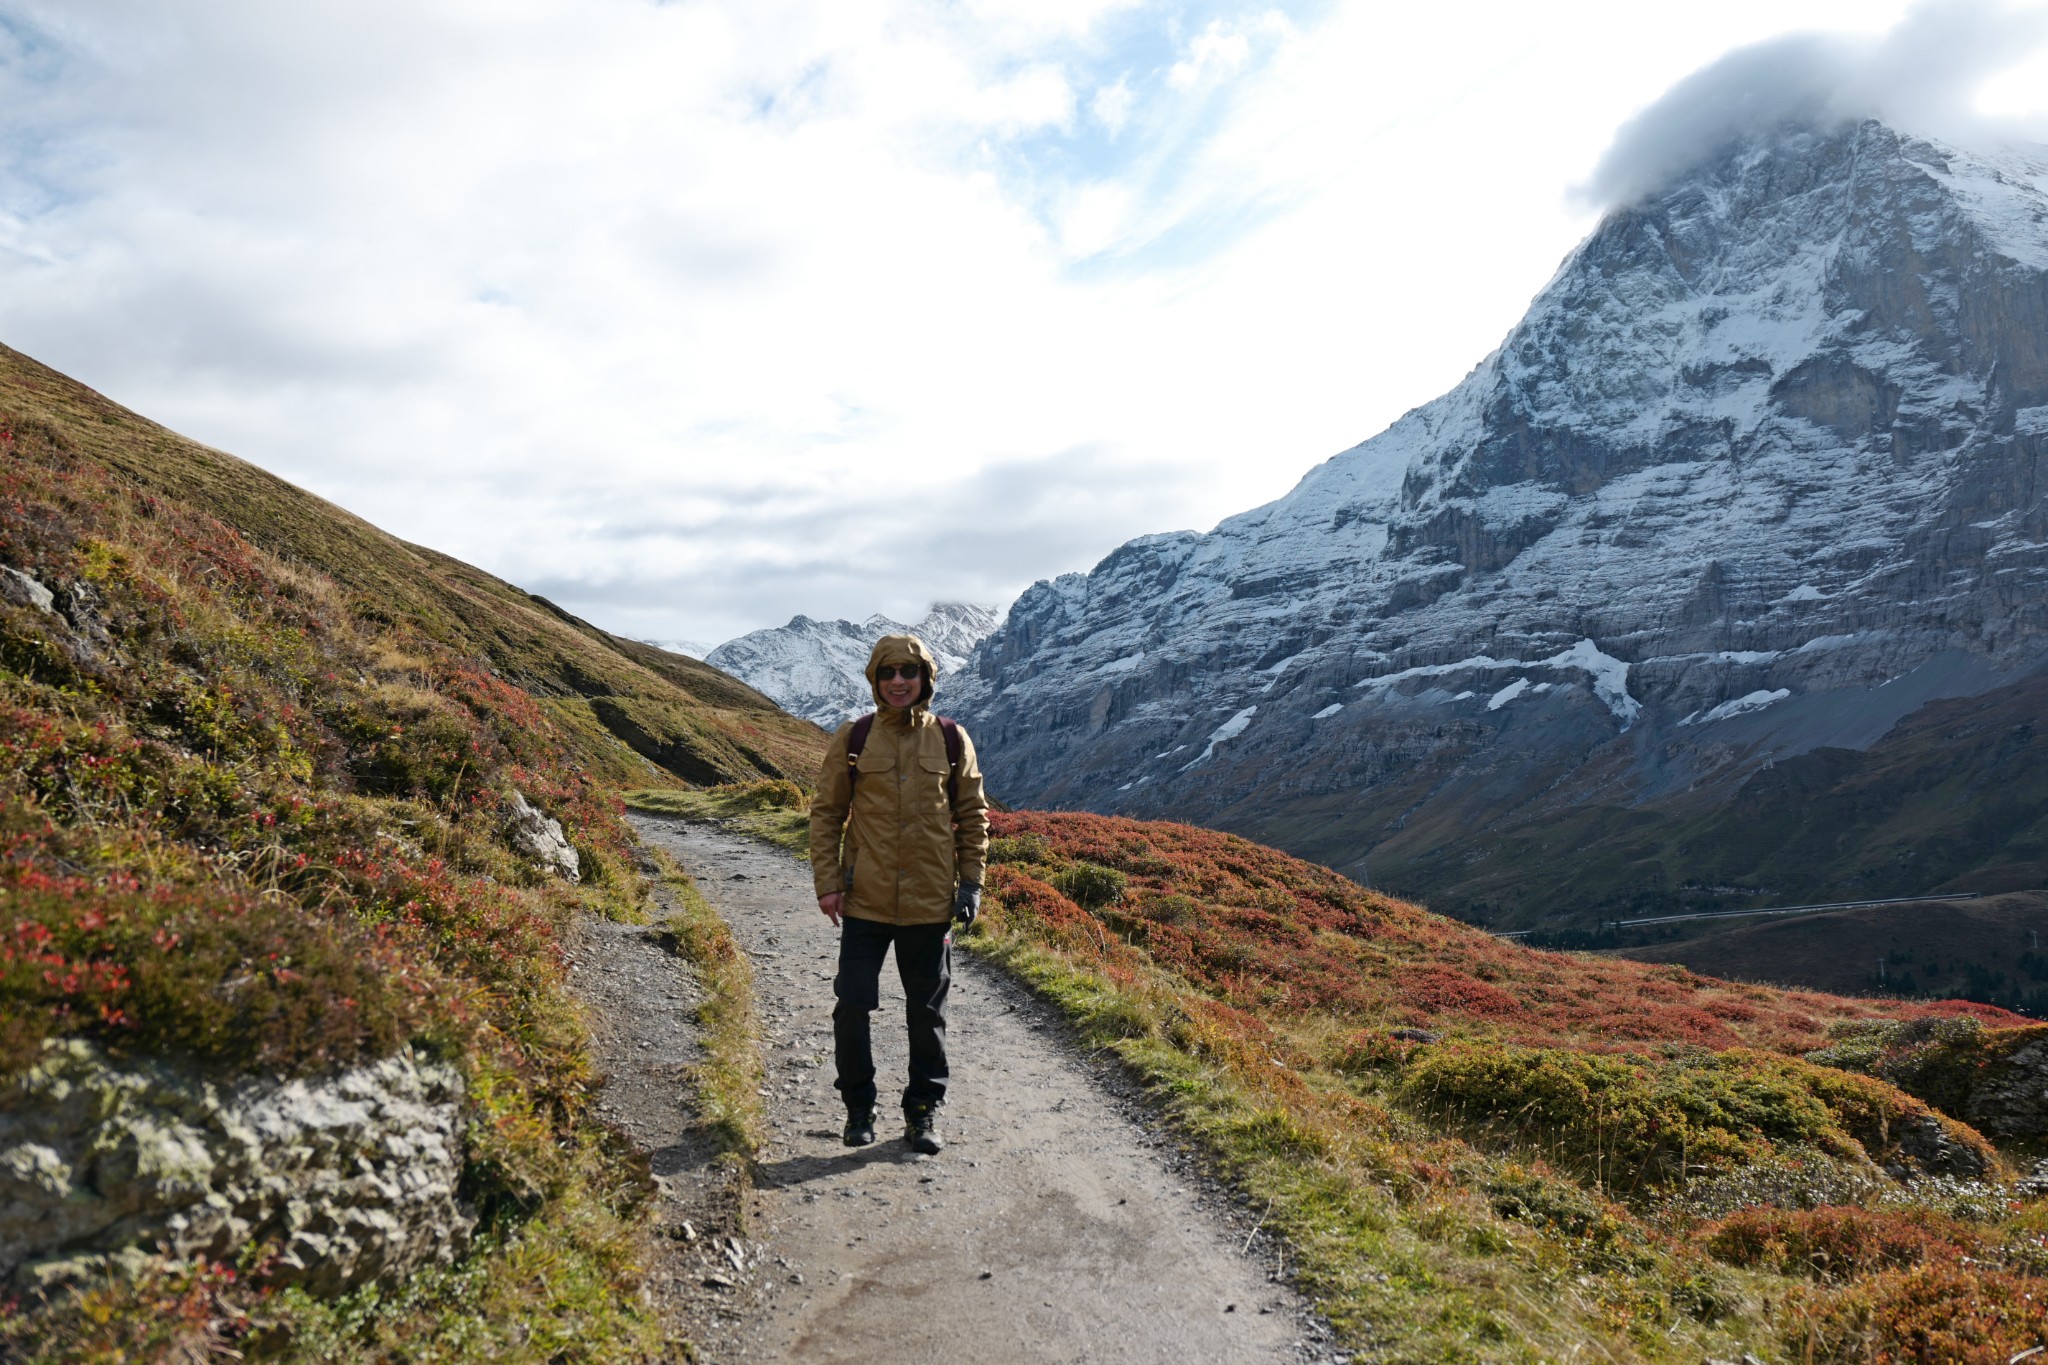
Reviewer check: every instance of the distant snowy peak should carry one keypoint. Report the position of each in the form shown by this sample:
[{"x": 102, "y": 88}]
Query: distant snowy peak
[
  {"x": 816, "y": 669},
  {"x": 952, "y": 629},
  {"x": 689, "y": 649}
]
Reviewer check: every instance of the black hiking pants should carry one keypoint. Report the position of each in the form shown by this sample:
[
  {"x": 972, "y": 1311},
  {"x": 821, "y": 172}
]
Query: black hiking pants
[{"x": 924, "y": 962}]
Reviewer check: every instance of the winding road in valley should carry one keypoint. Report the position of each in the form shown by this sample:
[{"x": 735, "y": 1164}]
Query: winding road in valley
[{"x": 1061, "y": 1223}]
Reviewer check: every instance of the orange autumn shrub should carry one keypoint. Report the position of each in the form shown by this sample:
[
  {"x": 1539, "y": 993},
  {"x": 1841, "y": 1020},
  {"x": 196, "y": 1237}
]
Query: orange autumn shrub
[
  {"x": 1838, "y": 1242},
  {"x": 1270, "y": 931},
  {"x": 1938, "y": 1311}
]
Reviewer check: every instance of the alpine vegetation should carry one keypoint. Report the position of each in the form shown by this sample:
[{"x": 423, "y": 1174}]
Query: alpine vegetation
[
  {"x": 293, "y": 820},
  {"x": 1473, "y": 1151}
]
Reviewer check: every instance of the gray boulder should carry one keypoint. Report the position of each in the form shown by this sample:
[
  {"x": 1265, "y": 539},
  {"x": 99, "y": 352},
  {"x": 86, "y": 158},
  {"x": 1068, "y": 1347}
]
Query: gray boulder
[
  {"x": 19, "y": 588},
  {"x": 352, "y": 1176},
  {"x": 540, "y": 837}
]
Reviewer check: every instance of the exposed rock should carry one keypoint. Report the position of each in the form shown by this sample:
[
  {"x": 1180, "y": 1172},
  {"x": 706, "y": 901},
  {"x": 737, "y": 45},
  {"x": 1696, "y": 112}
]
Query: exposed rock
[
  {"x": 540, "y": 837},
  {"x": 1925, "y": 1147},
  {"x": 80, "y": 602},
  {"x": 353, "y": 1176},
  {"x": 19, "y": 588},
  {"x": 2009, "y": 1094},
  {"x": 1994, "y": 1079}
]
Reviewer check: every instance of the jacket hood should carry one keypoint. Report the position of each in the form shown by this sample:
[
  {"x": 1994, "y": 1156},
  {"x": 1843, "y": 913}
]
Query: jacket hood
[{"x": 902, "y": 649}]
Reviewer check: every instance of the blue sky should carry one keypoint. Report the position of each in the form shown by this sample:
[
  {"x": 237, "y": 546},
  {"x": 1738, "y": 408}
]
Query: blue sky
[{"x": 695, "y": 316}]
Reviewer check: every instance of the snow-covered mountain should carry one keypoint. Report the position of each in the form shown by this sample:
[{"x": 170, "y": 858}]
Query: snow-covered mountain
[
  {"x": 689, "y": 649},
  {"x": 1757, "y": 473},
  {"x": 815, "y": 668}
]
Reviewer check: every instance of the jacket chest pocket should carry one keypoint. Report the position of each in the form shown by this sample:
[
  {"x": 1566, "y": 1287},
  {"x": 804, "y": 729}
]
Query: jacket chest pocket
[
  {"x": 876, "y": 769},
  {"x": 931, "y": 775}
]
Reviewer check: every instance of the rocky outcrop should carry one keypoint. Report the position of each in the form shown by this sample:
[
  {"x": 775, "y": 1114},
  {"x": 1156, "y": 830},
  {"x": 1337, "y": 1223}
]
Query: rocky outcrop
[
  {"x": 539, "y": 836},
  {"x": 351, "y": 1177},
  {"x": 1927, "y": 1146},
  {"x": 1756, "y": 475},
  {"x": 2009, "y": 1094},
  {"x": 27, "y": 591},
  {"x": 1994, "y": 1079}
]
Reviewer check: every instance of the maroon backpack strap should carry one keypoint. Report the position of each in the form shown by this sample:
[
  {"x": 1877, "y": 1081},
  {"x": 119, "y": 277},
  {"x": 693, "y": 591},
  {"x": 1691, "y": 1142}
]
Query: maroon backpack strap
[
  {"x": 855, "y": 742},
  {"x": 956, "y": 749}
]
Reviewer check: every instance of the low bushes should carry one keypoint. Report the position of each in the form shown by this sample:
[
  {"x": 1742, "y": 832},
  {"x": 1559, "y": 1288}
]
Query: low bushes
[
  {"x": 1837, "y": 1243},
  {"x": 1090, "y": 886},
  {"x": 1937, "y": 1311},
  {"x": 1482, "y": 1153},
  {"x": 1637, "y": 1124},
  {"x": 247, "y": 828}
]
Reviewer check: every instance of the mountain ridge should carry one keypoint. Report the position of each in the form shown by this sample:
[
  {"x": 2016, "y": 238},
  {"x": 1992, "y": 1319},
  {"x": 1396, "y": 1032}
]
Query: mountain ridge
[
  {"x": 815, "y": 669},
  {"x": 1751, "y": 478}
]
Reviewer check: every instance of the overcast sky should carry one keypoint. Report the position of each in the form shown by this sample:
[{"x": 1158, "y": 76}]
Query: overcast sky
[{"x": 693, "y": 316}]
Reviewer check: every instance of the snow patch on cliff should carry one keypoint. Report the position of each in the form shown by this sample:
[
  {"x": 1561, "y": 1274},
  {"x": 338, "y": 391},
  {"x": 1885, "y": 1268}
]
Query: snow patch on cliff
[
  {"x": 1224, "y": 733},
  {"x": 1740, "y": 706}
]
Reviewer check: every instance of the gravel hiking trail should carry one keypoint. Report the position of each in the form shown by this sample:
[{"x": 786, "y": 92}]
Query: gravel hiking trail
[{"x": 1062, "y": 1222}]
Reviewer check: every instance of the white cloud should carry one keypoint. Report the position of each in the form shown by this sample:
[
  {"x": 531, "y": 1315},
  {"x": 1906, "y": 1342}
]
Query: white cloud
[
  {"x": 696, "y": 316},
  {"x": 1111, "y": 106},
  {"x": 1214, "y": 54},
  {"x": 1923, "y": 76}
]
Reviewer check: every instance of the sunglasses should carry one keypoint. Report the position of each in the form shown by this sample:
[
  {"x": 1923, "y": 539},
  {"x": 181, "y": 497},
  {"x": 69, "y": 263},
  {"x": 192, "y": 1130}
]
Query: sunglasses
[{"x": 890, "y": 672}]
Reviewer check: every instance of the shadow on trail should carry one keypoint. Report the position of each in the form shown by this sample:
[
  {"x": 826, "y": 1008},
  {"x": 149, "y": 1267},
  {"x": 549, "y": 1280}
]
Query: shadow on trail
[{"x": 801, "y": 1170}]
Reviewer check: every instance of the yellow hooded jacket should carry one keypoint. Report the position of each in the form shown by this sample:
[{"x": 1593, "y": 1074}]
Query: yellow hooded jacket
[{"x": 893, "y": 842}]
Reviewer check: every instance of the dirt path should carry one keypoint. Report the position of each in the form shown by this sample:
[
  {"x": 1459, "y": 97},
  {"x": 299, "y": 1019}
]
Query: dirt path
[
  {"x": 1056, "y": 1226},
  {"x": 641, "y": 1000}
]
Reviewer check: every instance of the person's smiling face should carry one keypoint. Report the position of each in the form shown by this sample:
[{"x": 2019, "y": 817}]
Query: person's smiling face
[{"x": 900, "y": 684}]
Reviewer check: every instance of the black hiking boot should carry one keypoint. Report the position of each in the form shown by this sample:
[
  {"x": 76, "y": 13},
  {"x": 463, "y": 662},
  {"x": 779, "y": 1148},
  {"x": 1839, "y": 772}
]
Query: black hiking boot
[
  {"x": 921, "y": 1130},
  {"x": 860, "y": 1128}
]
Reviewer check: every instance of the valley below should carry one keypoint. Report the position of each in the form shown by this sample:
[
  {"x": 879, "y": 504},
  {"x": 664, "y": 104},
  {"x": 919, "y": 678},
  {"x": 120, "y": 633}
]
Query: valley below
[{"x": 1987, "y": 949}]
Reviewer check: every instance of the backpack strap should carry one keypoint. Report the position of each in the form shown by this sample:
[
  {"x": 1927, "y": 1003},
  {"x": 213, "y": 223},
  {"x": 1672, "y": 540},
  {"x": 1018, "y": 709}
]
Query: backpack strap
[
  {"x": 956, "y": 749},
  {"x": 855, "y": 742}
]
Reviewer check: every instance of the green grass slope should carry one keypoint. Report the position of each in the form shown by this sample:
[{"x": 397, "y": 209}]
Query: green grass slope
[
  {"x": 257, "y": 767},
  {"x": 609, "y": 694},
  {"x": 1481, "y": 1152}
]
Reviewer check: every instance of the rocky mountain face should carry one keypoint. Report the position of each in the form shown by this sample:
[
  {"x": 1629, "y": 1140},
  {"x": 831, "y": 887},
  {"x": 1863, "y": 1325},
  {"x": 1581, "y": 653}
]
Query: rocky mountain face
[
  {"x": 1756, "y": 478},
  {"x": 815, "y": 669}
]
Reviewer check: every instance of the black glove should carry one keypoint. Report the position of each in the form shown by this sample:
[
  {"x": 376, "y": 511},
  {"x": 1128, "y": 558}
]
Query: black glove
[{"x": 966, "y": 904}]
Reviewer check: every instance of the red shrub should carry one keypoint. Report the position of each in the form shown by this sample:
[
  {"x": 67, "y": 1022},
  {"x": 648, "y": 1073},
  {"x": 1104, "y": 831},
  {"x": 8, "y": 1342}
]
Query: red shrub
[
  {"x": 1435, "y": 990},
  {"x": 1252, "y": 924},
  {"x": 1939, "y": 1311},
  {"x": 1837, "y": 1242}
]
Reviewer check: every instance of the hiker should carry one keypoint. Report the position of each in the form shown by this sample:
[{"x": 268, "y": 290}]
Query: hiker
[{"x": 899, "y": 835}]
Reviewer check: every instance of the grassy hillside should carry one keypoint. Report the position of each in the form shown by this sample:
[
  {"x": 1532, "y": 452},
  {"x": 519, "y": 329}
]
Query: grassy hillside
[
  {"x": 608, "y": 695},
  {"x": 259, "y": 765},
  {"x": 1480, "y": 1152}
]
